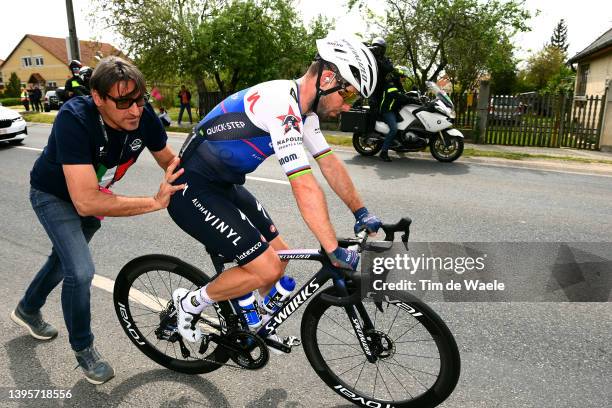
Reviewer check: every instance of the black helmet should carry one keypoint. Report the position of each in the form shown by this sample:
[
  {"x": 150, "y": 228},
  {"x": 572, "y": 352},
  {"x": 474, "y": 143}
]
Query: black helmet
[
  {"x": 85, "y": 73},
  {"x": 74, "y": 66}
]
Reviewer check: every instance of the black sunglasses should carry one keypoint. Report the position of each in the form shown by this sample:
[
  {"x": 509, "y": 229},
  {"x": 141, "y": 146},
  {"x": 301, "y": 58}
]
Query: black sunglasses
[{"x": 125, "y": 103}]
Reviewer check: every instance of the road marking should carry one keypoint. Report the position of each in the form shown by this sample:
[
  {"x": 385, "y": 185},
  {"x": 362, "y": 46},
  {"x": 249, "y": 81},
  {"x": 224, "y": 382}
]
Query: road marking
[
  {"x": 29, "y": 148},
  {"x": 267, "y": 180},
  {"x": 509, "y": 166},
  {"x": 148, "y": 300}
]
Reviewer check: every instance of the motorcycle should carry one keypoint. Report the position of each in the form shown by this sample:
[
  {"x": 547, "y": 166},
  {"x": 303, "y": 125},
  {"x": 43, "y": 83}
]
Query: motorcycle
[{"x": 422, "y": 122}]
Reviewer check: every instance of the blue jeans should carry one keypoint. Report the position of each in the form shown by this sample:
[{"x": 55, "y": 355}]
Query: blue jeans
[
  {"x": 182, "y": 109},
  {"x": 391, "y": 120},
  {"x": 70, "y": 261}
]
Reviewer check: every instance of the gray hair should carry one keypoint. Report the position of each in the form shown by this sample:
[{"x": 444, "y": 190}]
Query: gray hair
[{"x": 113, "y": 69}]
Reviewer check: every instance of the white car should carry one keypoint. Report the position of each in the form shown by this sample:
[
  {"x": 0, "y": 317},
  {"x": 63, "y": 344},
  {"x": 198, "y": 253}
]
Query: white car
[{"x": 13, "y": 127}]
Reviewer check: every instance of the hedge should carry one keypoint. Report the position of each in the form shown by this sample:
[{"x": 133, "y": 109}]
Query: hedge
[{"x": 10, "y": 101}]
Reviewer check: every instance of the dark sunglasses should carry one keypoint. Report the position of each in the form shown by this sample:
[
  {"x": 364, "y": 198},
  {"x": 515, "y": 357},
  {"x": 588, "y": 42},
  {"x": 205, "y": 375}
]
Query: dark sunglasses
[{"x": 125, "y": 103}]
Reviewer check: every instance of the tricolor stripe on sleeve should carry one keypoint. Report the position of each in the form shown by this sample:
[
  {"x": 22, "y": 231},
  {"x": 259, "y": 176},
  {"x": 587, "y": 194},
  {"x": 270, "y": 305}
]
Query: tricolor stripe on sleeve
[
  {"x": 299, "y": 172},
  {"x": 322, "y": 154}
]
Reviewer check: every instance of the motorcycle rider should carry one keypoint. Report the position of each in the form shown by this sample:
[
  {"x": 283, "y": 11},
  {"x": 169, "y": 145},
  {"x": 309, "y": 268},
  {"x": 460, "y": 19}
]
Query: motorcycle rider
[
  {"x": 393, "y": 99},
  {"x": 85, "y": 74},
  {"x": 388, "y": 82},
  {"x": 75, "y": 85}
]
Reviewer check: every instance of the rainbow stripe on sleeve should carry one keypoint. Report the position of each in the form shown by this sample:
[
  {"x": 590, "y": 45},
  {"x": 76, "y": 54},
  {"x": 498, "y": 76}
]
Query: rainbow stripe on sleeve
[
  {"x": 300, "y": 171},
  {"x": 322, "y": 154}
]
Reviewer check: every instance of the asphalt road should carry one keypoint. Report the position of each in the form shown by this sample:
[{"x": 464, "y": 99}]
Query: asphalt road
[{"x": 513, "y": 354}]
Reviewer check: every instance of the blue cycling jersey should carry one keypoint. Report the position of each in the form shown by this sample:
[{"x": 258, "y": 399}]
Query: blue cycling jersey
[{"x": 251, "y": 125}]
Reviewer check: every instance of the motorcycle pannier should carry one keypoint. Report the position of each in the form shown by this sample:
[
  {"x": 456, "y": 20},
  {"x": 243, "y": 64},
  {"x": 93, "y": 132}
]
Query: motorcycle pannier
[{"x": 354, "y": 121}]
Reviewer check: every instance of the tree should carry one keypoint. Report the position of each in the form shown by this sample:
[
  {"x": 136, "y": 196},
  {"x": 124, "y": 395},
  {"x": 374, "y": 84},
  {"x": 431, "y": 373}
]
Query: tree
[
  {"x": 13, "y": 87},
  {"x": 456, "y": 36},
  {"x": 559, "y": 36},
  {"x": 229, "y": 44},
  {"x": 544, "y": 65}
]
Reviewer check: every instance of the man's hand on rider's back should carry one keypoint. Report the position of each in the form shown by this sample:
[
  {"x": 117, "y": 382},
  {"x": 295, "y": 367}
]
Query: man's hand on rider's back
[
  {"x": 166, "y": 189},
  {"x": 366, "y": 221},
  {"x": 344, "y": 258}
]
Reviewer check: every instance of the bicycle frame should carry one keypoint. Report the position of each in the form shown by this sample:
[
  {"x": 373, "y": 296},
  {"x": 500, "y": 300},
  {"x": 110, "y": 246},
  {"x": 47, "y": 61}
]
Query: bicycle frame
[{"x": 314, "y": 284}]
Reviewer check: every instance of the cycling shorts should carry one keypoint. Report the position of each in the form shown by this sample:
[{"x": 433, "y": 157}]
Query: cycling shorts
[{"x": 226, "y": 218}]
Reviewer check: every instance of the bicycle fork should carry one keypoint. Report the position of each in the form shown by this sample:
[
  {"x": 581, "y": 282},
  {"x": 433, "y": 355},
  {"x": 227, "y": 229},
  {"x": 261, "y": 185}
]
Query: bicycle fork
[{"x": 358, "y": 328}]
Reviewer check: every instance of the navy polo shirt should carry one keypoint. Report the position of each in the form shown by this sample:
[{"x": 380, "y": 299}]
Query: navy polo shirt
[{"x": 77, "y": 138}]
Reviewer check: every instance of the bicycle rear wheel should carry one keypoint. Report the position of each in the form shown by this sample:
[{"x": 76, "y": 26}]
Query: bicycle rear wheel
[
  {"x": 143, "y": 303},
  {"x": 417, "y": 363}
]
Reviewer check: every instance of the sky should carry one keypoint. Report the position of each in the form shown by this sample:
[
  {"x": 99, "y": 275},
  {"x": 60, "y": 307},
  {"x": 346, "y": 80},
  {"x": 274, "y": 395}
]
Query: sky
[{"x": 586, "y": 20}]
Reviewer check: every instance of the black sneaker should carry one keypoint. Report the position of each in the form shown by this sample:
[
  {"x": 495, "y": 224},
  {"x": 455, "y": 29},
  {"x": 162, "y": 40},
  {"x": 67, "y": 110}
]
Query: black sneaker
[
  {"x": 38, "y": 328},
  {"x": 96, "y": 370},
  {"x": 384, "y": 155}
]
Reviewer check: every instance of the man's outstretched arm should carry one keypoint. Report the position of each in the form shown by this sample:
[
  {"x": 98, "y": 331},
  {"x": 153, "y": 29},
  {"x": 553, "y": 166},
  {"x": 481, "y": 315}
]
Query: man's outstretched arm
[{"x": 339, "y": 180}]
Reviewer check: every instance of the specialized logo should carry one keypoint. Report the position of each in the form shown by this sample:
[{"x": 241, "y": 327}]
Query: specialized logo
[
  {"x": 216, "y": 222},
  {"x": 253, "y": 100},
  {"x": 290, "y": 121},
  {"x": 298, "y": 300},
  {"x": 125, "y": 317},
  {"x": 293, "y": 94},
  {"x": 361, "y": 336},
  {"x": 136, "y": 145},
  {"x": 288, "y": 159}
]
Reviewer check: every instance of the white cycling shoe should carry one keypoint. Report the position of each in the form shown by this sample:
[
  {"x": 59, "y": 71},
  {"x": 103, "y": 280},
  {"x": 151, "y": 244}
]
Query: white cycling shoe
[{"x": 184, "y": 319}]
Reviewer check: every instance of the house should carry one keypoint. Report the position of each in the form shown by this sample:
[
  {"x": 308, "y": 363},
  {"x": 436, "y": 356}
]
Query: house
[
  {"x": 593, "y": 78},
  {"x": 594, "y": 67},
  {"x": 44, "y": 60}
]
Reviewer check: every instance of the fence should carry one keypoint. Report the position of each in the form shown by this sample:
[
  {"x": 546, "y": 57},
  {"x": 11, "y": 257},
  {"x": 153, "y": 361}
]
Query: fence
[{"x": 533, "y": 119}]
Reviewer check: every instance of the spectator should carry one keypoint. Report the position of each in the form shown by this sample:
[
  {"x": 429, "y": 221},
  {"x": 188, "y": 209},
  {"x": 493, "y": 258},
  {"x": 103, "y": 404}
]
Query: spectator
[
  {"x": 164, "y": 117},
  {"x": 25, "y": 99},
  {"x": 70, "y": 193},
  {"x": 35, "y": 98},
  {"x": 185, "y": 100}
]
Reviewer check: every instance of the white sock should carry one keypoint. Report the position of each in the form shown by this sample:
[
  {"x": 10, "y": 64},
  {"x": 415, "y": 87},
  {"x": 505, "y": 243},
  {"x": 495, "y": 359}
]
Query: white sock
[{"x": 194, "y": 302}]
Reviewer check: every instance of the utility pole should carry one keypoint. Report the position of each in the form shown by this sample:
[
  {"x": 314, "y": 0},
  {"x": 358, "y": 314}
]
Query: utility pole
[{"x": 73, "y": 40}]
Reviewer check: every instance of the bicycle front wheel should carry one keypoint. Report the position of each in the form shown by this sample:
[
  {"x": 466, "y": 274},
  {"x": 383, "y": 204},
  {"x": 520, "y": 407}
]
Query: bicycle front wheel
[
  {"x": 143, "y": 302},
  {"x": 417, "y": 359}
]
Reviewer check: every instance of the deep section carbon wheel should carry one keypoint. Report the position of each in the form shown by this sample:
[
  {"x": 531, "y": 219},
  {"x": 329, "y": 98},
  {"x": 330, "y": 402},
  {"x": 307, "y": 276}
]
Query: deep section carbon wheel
[
  {"x": 417, "y": 360},
  {"x": 143, "y": 302}
]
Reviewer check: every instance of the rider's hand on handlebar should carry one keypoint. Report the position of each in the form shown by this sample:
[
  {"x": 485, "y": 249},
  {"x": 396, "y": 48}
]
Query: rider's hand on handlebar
[
  {"x": 344, "y": 258},
  {"x": 366, "y": 221}
]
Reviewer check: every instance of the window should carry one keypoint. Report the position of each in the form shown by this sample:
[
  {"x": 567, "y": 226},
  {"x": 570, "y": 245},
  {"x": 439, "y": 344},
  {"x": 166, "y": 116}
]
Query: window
[
  {"x": 26, "y": 62},
  {"x": 38, "y": 61},
  {"x": 583, "y": 74},
  {"x": 51, "y": 84}
]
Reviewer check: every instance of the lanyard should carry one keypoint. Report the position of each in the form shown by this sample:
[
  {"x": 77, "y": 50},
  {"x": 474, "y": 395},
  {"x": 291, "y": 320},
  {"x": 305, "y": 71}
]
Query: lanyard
[{"x": 102, "y": 153}]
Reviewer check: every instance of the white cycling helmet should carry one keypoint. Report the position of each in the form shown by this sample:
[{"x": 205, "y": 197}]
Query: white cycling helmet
[{"x": 354, "y": 60}]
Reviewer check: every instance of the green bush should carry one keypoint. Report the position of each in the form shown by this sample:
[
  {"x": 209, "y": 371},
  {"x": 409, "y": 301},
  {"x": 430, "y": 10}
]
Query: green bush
[{"x": 10, "y": 101}]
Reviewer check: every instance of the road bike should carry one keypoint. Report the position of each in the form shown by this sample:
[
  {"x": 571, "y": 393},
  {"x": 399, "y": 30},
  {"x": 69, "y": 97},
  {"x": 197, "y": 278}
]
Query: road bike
[{"x": 375, "y": 349}]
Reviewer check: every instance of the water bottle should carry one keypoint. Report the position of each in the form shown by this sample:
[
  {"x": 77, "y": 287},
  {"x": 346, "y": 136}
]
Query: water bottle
[
  {"x": 248, "y": 307},
  {"x": 279, "y": 293}
]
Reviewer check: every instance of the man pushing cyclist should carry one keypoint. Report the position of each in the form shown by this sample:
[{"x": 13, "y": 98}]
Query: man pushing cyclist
[{"x": 277, "y": 117}]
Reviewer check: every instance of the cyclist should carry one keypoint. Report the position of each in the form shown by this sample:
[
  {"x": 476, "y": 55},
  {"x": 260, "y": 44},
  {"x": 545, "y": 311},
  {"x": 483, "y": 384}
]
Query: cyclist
[{"x": 277, "y": 117}]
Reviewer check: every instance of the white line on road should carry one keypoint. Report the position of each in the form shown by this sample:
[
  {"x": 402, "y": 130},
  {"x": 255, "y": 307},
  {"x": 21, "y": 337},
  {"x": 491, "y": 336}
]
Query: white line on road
[
  {"x": 267, "y": 180},
  {"x": 510, "y": 166}
]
